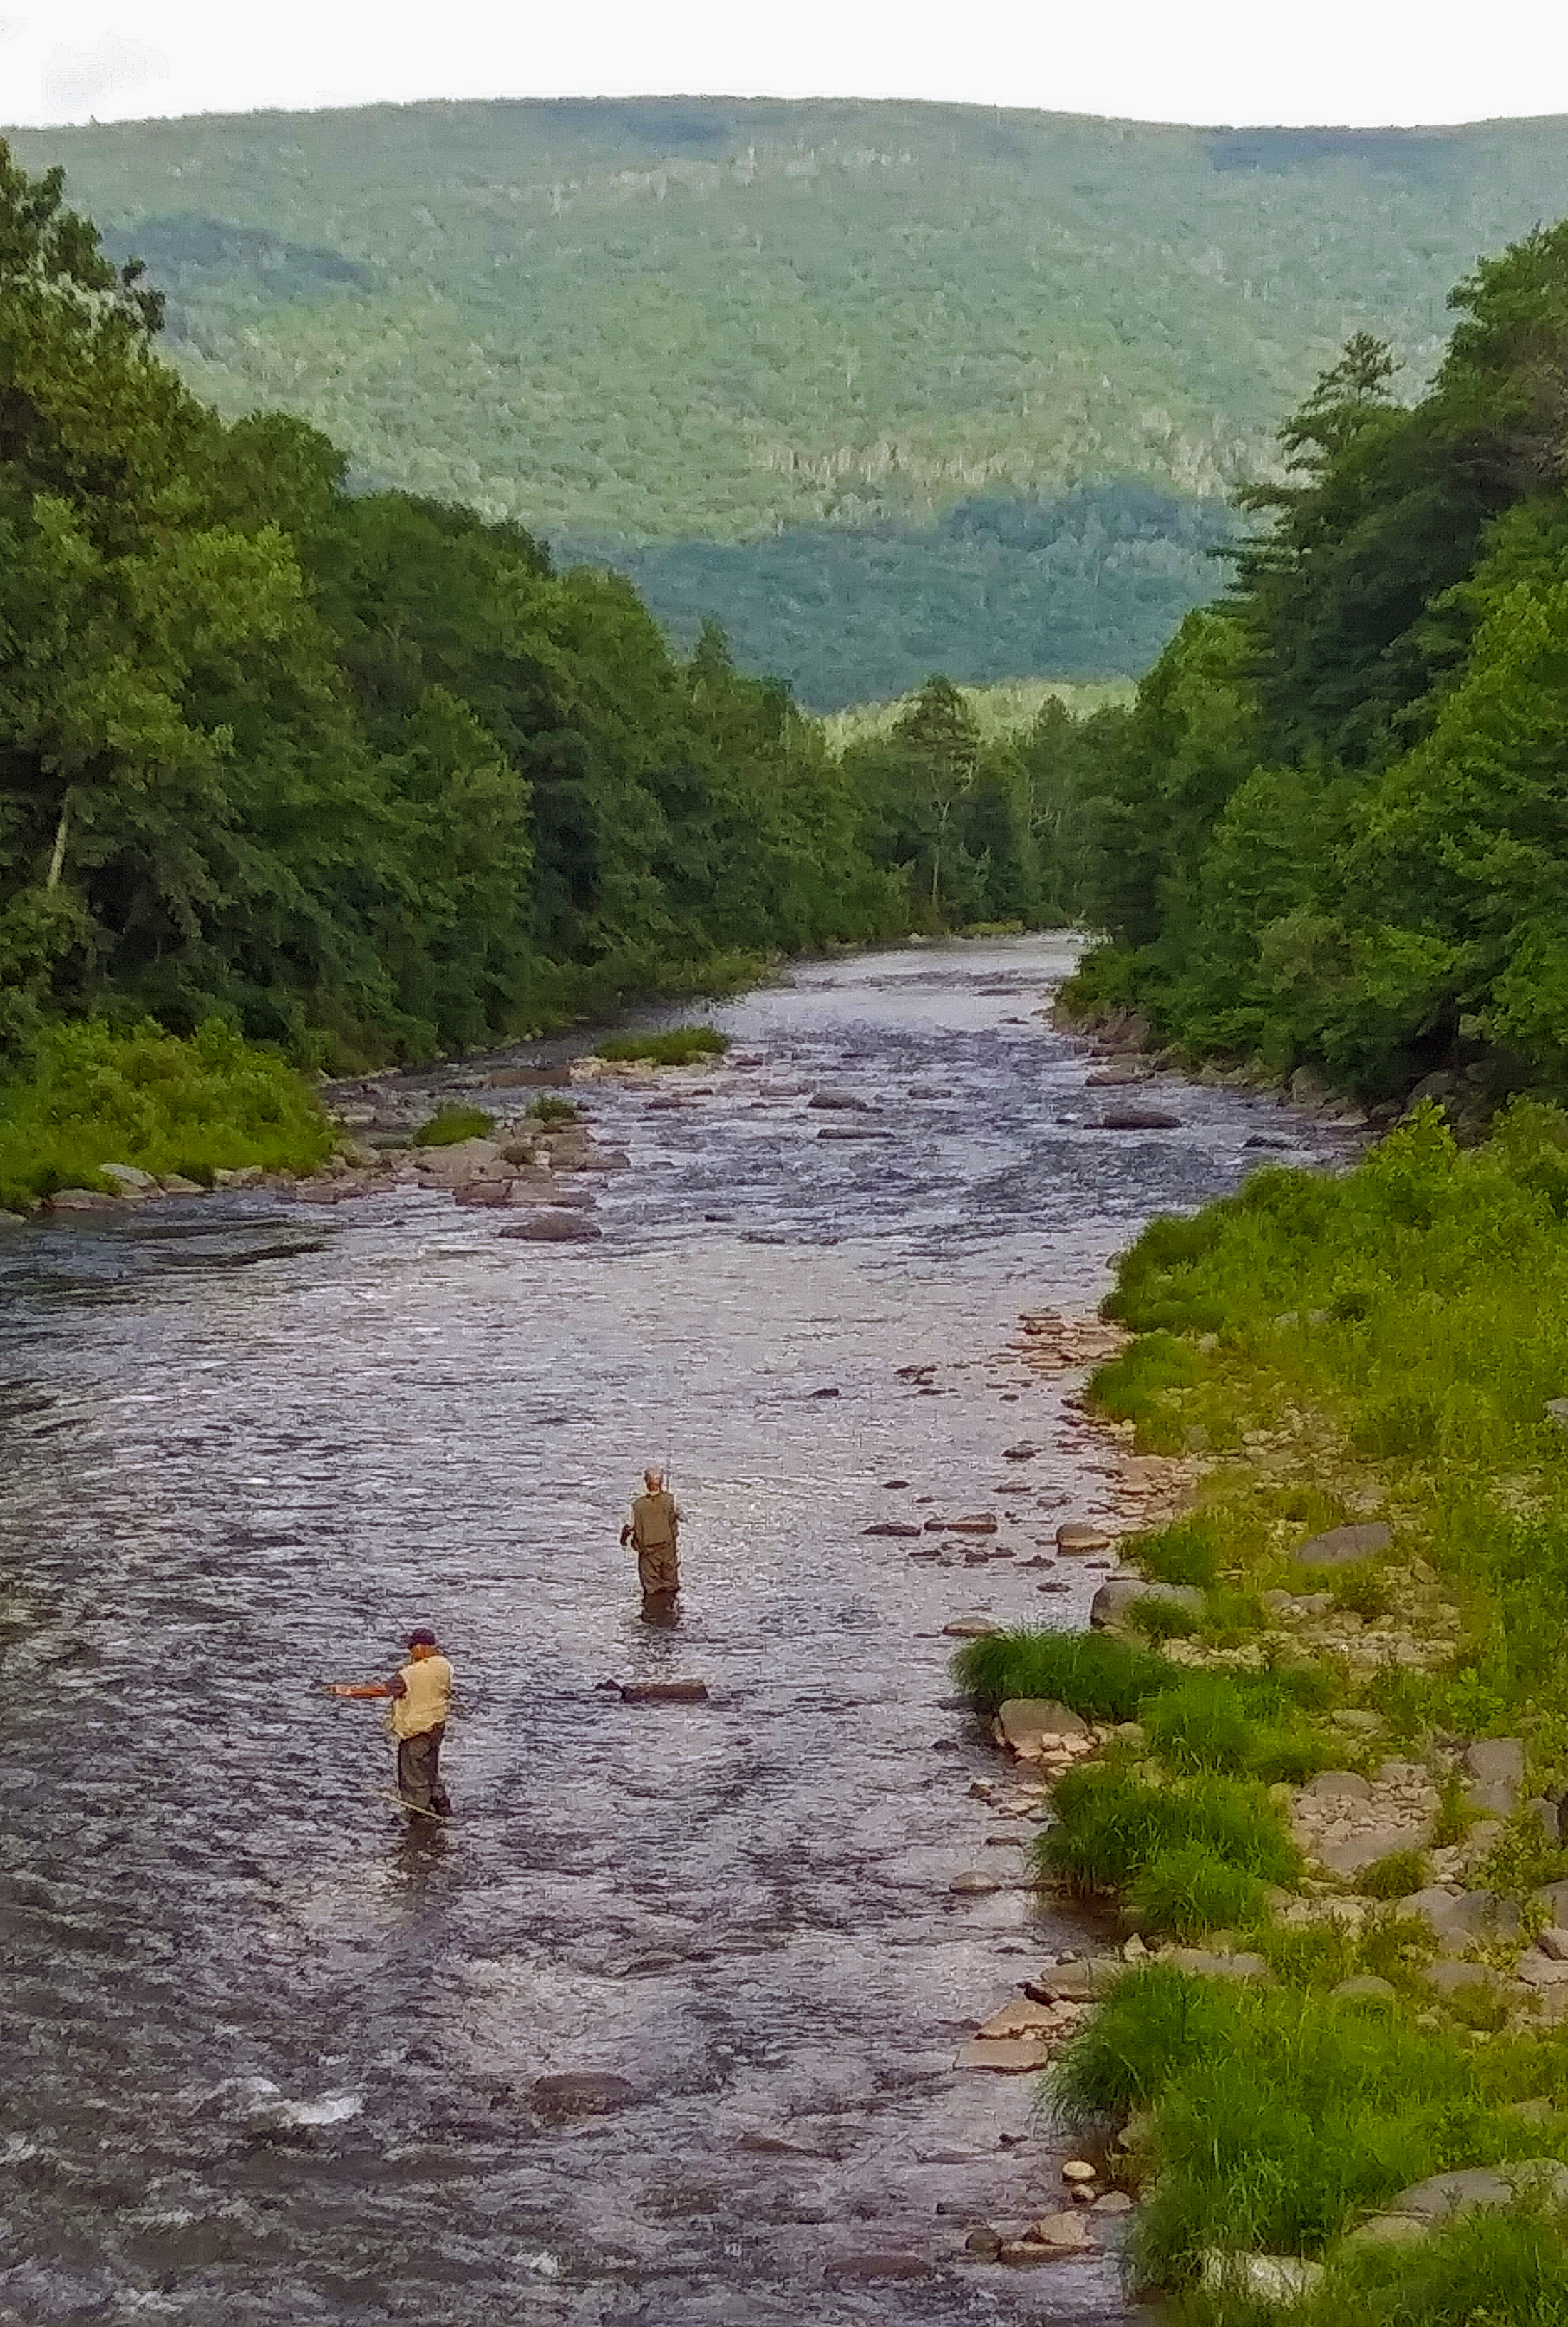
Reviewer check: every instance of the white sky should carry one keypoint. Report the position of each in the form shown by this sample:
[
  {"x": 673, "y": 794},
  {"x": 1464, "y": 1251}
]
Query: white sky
[{"x": 1198, "y": 61}]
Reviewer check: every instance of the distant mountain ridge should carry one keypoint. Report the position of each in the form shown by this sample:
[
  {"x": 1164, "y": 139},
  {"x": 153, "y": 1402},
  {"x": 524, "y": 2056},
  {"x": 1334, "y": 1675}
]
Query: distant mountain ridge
[{"x": 658, "y": 325}]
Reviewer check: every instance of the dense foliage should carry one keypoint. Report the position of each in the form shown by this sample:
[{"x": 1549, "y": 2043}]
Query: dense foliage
[
  {"x": 1333, "y": 831},
  {"x": 698, "y": 321}
]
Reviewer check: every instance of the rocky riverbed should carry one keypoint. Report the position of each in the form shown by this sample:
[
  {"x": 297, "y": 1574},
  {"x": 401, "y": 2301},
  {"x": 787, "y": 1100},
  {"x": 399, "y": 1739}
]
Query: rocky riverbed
[{"x": 676, "y": 2023}]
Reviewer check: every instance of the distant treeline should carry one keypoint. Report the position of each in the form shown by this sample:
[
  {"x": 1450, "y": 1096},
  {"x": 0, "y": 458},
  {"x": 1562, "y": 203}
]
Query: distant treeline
[
  {"x": 361, "y": 775},
  {"x": 1090, "y": 585},
  {"x": 1333, "y": 832}
]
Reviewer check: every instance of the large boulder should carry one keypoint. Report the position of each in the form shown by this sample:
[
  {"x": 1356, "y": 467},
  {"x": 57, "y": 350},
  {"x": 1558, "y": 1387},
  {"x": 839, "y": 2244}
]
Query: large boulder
[
  {"x": 130, "y": 1179},
  {"x": 1444, "y": 2196},
  {"x": 1108, "y": 1608},
  {"x": 1496, "y": 1769},
  {"x": 1025, "y": 1725},
  {"x": 1345, "y": 1547},
  {"x": 82, "y": 1199}
]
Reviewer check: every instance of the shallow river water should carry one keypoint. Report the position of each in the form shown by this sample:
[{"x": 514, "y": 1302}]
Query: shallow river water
[{"x": 266, "y": 2057}]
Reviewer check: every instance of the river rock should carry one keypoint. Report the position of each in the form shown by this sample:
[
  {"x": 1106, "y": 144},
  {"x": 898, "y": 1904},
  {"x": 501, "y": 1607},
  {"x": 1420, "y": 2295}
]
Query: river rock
[
  {"x": 1117, "y": 1593},
  {"x": 465, "y": 1159},
  {"x": 1136, "y": 1118},
  {"x": 1024, "y": 1724},
  {"x": 80, "y": 1200},
  {"x": 1453, "y": 1914},
  {"x": 1021, "y": 2020},
  {"x": 1495, "y": 1768},
  {"x": 843, "y": 1100},
  {"x": 1364, "y": 1987},
  {"x": 852, "y": 1131},
  {"x": 1345, "y": 1547},
  {"x": 1357, "y": 1851},
  {"x": 1022, "y": 1453},
  {"x": 599, "y": 1159},
  {"x": 580, "y": 2093},
  {"x": 1444, "y": 2196},
  {"x": 1451, "y": 1977},
  {"x": 482, "y": 1194},
  {"x": 130, "y": 1179},
  {"x": 1008, "y": 2056},
  {"x": 12, "y": 1221},
  {"x": 1274, "y": 2279},
  {"x": 974, "y": 1886},
  {"x": 847, "y": 2269},
  {"x": 1118, "y": 1071},
  {"x": 1080, "y": 1537},
  {"x": 664, "y": 1692},
  {"x": 976, "y": 1523},
  {"x": 553, "y": 1228},
  {"x": 894, "y": 1527},
  {"x": 969, "y": 1627},
  {"x": 1062, "y": 2233}
]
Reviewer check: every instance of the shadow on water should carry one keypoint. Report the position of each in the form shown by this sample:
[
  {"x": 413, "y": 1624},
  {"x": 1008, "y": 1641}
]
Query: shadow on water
[{"x": 660, "y": 2029}]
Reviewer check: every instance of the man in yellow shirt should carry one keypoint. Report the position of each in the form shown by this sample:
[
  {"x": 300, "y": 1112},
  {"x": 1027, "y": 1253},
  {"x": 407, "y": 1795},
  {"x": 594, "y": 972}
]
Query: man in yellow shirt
[
  {"x": 653, "y": 1532},
  {"x": 421, "y": 1696}
]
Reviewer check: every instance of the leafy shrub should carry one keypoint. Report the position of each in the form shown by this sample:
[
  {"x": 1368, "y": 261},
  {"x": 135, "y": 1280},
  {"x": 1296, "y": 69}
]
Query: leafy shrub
[
  {"x": 92, "y": 1094},
  {"x": 449, "y": 1124},
  {"x": 1182, "y": 1894},
  {"x": 1101, "y": 1676},
  {"x": 680, "y": 1047},
  {"x": 1395, "y": 1875}
]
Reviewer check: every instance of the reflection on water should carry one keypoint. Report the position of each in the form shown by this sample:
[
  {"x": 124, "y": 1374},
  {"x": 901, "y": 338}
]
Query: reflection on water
[{"x": 270, "y": 2057}]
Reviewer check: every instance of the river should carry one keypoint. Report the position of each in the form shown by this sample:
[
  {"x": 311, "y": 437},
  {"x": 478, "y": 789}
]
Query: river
[{"x": 266, "y": 2057}]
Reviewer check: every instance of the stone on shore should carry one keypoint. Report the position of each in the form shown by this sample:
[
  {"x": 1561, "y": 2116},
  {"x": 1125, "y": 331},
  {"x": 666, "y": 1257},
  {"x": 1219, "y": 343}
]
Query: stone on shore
[
  {"x": 1108, "y": 1608},
  {"x": 1024, "y": 1724},
  {"x": 12, "y": 1221},
  {"x": 1445, "y": 2195},
  {"x": 1496, "y": 1769},
  {"x": 80, "y": 1200},
  {"x": 130, "y": 1179},
  {"x": 1063, "y": 2233},
  {"x": 1345, "y": 1547},
  {"x": 1276, "y": 2279},
  {"x": 1008, "y": 2056}
]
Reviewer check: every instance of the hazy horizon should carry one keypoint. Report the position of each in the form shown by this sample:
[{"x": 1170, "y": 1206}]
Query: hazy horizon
[{"x": 1369, "y": 64}]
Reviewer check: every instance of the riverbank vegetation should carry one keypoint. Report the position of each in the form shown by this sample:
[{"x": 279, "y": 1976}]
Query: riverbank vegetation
[
  {"x": 1381, "y": 1350},
  {"x": 1332, "y": 833},
  {"x": 92, "y": 1094}
]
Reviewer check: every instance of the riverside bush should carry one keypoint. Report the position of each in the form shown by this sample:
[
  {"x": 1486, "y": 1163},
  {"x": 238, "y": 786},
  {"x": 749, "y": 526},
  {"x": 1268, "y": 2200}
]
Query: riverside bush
[
  {"x": 1182, "y": 1894},
  {"x": 92, "y": 1094},
  {"x": 1098, "y": 1675},
  {"x": 450, "y": 1125}
]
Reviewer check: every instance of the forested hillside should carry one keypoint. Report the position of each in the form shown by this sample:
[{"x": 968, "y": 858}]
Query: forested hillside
[
  {"x": 1333, "y": 832},
  {"x": 361, "y": 775},
  {"x": 660, "y": 326}
]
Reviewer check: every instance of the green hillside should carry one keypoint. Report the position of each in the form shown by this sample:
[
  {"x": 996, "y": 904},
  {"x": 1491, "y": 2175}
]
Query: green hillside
[{"x": 690, "y": 322}]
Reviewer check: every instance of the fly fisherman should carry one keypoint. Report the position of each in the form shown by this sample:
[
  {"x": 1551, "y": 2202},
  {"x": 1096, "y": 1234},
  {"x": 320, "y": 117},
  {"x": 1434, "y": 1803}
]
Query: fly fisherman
[
  {"x": 421, "y": 1696},
  {"x": 652, "y": 1531}
]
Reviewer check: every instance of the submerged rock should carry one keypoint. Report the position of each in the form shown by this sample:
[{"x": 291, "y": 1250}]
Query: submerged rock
[
  {"x": 664, "y": 1692},
  {"x": 584, "y": 2092},
  {"x": 554, "y": 1226}
]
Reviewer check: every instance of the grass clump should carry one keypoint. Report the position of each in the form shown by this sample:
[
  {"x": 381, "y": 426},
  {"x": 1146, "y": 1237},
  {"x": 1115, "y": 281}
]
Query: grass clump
[
  {"x": 449, "y": 1124},
  {"x": 1492, "y": 2268},
  {"x": 1278, "y": 2116},
  {"x": 1181, "y": 1893},
  {"x": 1161, "y": 1619},
  {"x": 1112, "y": 1823},
  {"x": 1395, "y": 1875},
  {"x": 91, "y": 1094},
  {"x": 1235, "y": 1725},
  {"x": 1098, "y": 1675},
  {"x": 681, "y": 1046},
  {"x": 555, "y": 1110}
]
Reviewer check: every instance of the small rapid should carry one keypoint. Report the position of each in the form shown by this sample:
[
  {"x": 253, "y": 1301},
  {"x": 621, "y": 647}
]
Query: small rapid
[{"x": 268, "y": 2058}]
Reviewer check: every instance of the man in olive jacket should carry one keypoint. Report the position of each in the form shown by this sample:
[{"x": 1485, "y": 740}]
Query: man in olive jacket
[{"x": 653, "y": 1532}]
